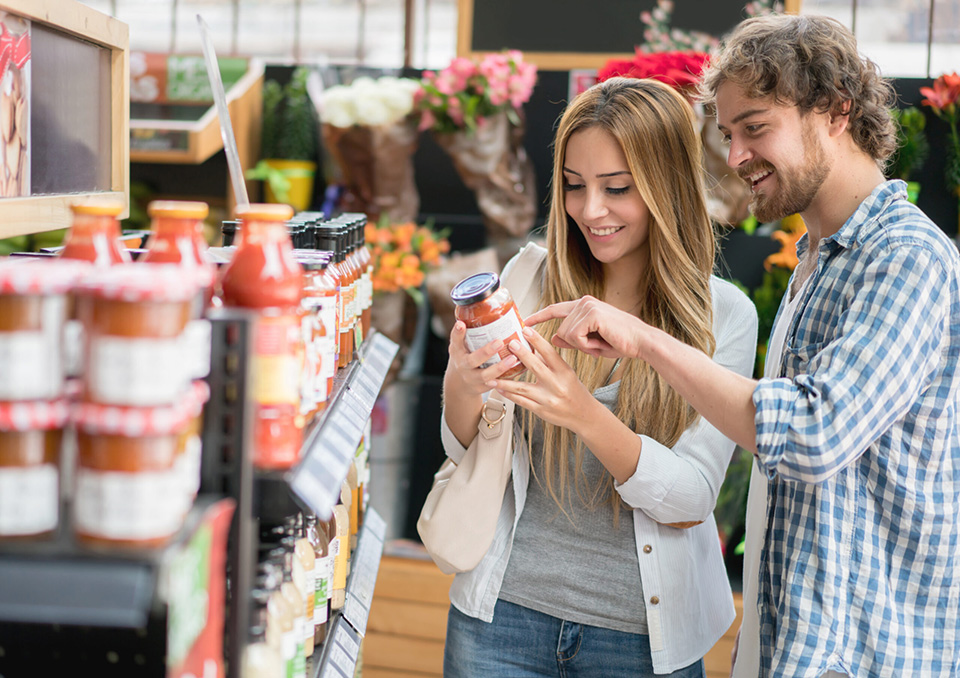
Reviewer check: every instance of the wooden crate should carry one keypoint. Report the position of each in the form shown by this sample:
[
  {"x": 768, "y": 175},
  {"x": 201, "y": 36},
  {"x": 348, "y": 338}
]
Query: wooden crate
[{"x": 408, "y": 623}]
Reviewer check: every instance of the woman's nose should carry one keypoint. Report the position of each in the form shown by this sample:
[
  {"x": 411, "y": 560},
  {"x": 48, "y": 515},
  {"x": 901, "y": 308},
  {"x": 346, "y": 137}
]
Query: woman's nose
[{"x": 595, "y": 205}]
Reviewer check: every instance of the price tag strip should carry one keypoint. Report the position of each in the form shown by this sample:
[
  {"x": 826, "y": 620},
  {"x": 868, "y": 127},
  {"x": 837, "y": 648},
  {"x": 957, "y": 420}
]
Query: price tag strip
[
  {"x": 363, "y": 577},
  {"x": 342, "y": 652},
  {"x": 317, "y": 478}
]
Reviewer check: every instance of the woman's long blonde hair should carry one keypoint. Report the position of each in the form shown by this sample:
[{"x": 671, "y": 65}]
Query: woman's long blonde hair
[{"x": 656, "y": 128}]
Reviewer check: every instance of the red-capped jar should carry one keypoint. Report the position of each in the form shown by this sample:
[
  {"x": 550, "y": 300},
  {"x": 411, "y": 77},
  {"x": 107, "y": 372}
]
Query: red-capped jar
[
  {"x": 190, "y": 442},
  {"x": 488, "y": 311},
  {"x": 128, "y": 491},
  {"x": 31, "y": 434},
  {"x": 95, "y": 234},
  {"x": 177, "y": 233},
  {"x": 264, "y": 276},
  {"x": 313, "y": 391},
  {"x": 134, "y": 319},
  {"x": 33, "y": 310}
]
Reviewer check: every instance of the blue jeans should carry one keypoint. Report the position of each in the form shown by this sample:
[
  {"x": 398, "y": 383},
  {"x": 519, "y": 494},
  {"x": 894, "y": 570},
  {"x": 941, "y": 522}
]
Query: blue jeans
[{"x": 522, "y": 643}]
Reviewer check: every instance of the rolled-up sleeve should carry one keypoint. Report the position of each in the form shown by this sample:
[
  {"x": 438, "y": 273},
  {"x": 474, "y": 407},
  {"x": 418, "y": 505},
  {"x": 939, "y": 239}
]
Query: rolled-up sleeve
[
  {"x": 681, "y": 483},
  {"x": 843, "y": 394}
]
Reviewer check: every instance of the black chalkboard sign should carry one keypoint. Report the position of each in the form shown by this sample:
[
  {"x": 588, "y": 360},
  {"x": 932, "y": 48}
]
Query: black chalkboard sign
[{"x": 564, "y": 34}]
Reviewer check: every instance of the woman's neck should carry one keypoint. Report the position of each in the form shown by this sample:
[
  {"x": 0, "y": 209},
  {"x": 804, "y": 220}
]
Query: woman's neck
[{"x": 621, "y": 286}]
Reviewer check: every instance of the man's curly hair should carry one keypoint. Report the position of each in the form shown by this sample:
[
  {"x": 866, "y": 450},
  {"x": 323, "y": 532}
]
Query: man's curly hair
[{"x": 812, "y": 62}]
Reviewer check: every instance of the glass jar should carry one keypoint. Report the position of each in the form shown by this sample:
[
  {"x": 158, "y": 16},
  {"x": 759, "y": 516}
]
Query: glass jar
[
  {"x": 33, "y": 310},
  {"x": 134, "y": 319},
  {"x": 95, "y": 235},
  {"x": 313, "y": 393},
  {"x": 488, "y": 311},
  {"x": 31, "y": 434},
  {"x": 190, "y": 443},
  {"x": 264, "y": 276},
  {"x": 177, "y": 233},
  {"x": 128, "y": 492}
]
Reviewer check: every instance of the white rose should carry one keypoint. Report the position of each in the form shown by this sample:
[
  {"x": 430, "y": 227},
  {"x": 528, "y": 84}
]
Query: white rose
[
  {"x": 372, "y": 111},
  {"x": 338, "y": 108},
  {"x": 398, "y": 100}
]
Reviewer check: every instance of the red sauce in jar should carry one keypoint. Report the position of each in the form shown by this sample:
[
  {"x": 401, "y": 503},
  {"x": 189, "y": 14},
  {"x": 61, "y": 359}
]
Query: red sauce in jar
[
  {"x": 95, "y": 235},
  {"x": 489, "y": 312}
]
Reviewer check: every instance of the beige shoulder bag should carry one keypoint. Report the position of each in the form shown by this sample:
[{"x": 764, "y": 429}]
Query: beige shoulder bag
[{"x": 459, "y": 517}]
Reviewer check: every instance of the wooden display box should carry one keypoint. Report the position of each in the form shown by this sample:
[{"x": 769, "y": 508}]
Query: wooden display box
[{"x": 73, "y": 26}]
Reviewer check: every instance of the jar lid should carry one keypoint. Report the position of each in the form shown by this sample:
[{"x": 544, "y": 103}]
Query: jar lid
[
  {"x": 41, "y": 276},
  {"x": 475, "y": 288},
  {"x": 178, "y": 209},
  {"x": 265, "y": 212},
  {"x": 140, "y": 281},
  {"x": 98, "y": 208},
  {"x": 33, "y": 415},
  {"x": 130, "y": 422}
]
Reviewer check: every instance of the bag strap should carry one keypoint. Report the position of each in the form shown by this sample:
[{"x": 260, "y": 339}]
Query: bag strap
[{"x": 523, "y": 278}]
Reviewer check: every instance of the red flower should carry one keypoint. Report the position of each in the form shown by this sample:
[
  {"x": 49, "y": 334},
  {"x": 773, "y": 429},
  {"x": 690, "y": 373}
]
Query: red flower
[
  {"x": 678, "y": 69},
  {"x": 944, "y": 94}
]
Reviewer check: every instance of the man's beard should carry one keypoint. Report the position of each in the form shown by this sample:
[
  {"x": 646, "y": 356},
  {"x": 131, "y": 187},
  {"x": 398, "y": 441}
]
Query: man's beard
[{"x": 796, "y": 188}]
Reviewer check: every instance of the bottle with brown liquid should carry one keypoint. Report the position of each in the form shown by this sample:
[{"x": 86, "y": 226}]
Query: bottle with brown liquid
[{"x": 317, "y": 536}]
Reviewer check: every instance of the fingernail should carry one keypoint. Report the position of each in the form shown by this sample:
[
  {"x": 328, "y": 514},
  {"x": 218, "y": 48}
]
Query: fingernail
[
  {"x": 511, "y": 360},
  {"x": 527, "y": 331},
  {"x": 514, "y": 345}
]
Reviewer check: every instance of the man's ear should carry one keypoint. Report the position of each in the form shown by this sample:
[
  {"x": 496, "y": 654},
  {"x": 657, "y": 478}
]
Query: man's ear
[{"x": 839, "y": 118}]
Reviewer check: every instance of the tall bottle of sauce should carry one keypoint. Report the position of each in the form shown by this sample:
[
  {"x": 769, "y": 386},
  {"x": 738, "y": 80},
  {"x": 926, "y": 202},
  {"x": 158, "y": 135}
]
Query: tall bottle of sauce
[
  {"x": 95, "y": 235},
  {"x": 304, "y": 553},
  {"x": 366, "y": 264},
  {"x": 279, "y": 616},
  {"x": 260, "y": 658},
  {"x": 317, "y": 536},
  {"x": 263, "y": 276},
  {"x": 341, "y": 515},
  {"x": 294, "y": 597},
  {"x": 327, "y": 242}
]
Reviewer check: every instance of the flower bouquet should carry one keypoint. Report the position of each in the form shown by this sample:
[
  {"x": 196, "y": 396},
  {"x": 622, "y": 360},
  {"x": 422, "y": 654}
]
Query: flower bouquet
[
  {"x": 402, "y": 254},
  {"x": 474, "y": 109},
  {"x": 369, "y": 130}
]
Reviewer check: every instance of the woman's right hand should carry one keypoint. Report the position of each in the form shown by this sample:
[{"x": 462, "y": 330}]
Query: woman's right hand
[{"x": 464, "y": 367}]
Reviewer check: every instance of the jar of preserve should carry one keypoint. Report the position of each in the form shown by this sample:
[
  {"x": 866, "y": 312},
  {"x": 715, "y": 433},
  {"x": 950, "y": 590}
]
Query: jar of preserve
[
  {"x": 190, "y": 442},
  {"x": 31, "y": 434},
  {"x": 127, "y": 491},
  {"x": 134, "y": 319},
  {"x": 33, "y": 310},
  {"x": 94, "y": 234},
  {"x": 488, "y": 311},
  {"x": 177, "y": 233},
  {"x": 264, "y": 276}
]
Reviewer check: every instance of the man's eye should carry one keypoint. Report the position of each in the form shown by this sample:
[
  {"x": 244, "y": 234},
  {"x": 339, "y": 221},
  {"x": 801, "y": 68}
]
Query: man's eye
[{"x": 725, "y": 139}]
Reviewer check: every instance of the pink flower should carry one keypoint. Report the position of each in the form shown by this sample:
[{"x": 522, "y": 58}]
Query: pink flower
[{"x": 427, "y": 120}]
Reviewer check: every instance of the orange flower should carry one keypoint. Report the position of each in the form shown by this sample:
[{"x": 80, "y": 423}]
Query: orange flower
[
  {"x": 792, "y": 229},
  {"x": 402, "y": 253}
]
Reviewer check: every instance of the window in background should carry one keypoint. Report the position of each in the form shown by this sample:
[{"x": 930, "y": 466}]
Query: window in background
[
  {"x": 896, "y": 34},
  {"x": 363, "y": 32}
]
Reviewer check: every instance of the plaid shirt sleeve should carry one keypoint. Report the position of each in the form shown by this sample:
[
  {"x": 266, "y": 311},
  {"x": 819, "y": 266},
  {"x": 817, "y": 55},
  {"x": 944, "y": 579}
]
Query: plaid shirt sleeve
[{"x": 850, "y": 387}]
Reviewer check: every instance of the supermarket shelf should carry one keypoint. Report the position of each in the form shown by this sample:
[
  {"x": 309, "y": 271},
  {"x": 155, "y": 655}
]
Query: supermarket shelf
[
  {"x": 342, "y": 649},
  {"x": 330, "y": 442}
]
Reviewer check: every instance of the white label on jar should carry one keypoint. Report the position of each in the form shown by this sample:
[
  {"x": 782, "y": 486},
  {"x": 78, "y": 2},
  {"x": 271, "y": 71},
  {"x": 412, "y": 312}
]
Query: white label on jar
[
  {"x": 31, "y": 363},
  {"x": 29, "y": 499},
  {"x": 139, "y": 372},
  {"x": 368, "y": 285},
  {"x": 506, "y": 328},
  {"x": 73, "y": 348},
  {"x": 288, "y": 650},
  {"x": 196, "y": 344},
  {"x": 117, "y": 505},
  {"x": 327, "y": 313},
  {"x": 324, "y": 571},
  {"x": 187, "y": 467}
]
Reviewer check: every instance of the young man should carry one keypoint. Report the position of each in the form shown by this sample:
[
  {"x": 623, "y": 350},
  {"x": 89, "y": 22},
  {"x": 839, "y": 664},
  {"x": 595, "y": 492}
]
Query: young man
[{"x": 859, "y": 571}]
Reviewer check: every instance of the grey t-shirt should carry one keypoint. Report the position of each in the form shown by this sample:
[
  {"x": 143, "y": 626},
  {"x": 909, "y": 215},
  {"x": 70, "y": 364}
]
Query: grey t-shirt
[{"x": 585, "y": 571}]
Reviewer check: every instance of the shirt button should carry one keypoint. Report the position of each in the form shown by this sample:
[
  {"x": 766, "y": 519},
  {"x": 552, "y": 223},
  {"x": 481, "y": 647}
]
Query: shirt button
[
  {"x": 655, "y": 600},
  {"x": 647, "y": 548}
]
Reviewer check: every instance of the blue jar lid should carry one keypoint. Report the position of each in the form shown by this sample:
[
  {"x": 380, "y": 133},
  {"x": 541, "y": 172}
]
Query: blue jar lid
[{"x": 475, "y": 288}]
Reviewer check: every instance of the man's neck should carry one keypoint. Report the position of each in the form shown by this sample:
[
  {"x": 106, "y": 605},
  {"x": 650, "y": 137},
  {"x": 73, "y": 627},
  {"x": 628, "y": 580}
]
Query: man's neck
[{"x": 852, "y": 178}]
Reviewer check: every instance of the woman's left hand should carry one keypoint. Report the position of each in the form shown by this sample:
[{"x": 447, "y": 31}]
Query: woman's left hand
[{"x": 555, "y": 395}]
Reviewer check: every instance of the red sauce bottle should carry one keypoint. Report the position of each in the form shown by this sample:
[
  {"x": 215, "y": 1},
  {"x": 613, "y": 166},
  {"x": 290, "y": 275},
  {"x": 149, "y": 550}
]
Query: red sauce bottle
[
  {"x": 264, "y": 276},
  {"x": 95, "y": 235}
]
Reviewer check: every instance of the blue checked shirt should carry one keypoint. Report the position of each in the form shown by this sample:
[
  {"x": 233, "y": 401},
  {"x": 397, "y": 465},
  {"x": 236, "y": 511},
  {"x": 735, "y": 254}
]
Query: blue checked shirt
[{"x": 860, "y": 570}]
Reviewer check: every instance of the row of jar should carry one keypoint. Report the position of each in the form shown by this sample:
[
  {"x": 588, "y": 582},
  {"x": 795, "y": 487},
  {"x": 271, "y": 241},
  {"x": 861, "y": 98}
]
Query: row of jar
[
  {"x": 312, "y": 306},
  {"x": 128, "y": 475},
  {"x": 134, "y": 335}
]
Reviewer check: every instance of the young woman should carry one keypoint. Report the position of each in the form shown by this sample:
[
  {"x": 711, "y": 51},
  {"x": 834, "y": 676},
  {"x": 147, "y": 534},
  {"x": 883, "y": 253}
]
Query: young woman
[{"x": 592, "y": 574}]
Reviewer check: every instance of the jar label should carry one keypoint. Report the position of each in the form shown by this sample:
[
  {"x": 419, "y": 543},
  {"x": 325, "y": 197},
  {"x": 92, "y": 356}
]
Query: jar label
[
  {"x": 29, "y": 499},
  {"x": 128, "y": 506},
  {"x": 276, "y": 361},
  {"x": 73, "y": 348},
  {"x": 507, "y": 328},
  {"x": 187, "y": 466},
  {"x": 31, "y": 362},
  {"x": 197, "y": 341},
  {"x": 138, "y": 372}
]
